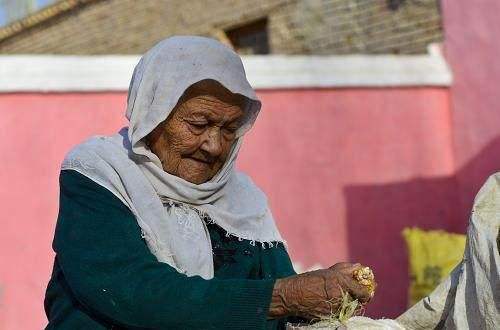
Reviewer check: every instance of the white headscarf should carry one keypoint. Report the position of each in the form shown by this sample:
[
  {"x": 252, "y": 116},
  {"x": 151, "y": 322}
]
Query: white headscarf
[{"x": 168, "y": 208}]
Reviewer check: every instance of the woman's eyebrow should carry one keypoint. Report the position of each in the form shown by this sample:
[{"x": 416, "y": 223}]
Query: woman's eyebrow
[
  {"x": 216, "y": 103},
  {"x": 198, "y": 114},
  {"x": 236, "y": 121},
  {"x": 208, "y": 114}
]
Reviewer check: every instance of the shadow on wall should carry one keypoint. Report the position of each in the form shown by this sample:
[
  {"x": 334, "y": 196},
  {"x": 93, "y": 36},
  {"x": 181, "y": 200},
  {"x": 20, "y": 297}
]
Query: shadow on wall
[{"x": 377, "y": 214}]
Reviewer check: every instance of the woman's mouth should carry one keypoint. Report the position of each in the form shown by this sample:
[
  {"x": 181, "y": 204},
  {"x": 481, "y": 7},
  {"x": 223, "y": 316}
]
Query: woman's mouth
[{"x": 200, "y": 160}]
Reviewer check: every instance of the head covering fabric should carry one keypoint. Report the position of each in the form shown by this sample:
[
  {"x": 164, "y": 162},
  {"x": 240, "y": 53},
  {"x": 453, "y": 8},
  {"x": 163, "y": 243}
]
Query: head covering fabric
[{"x": 169, "y": 209}]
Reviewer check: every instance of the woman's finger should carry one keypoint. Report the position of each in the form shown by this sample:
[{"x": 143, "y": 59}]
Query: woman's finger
[
  {"x": 359, "y": 291},
  {"x": 318, "y": 311},
  {"x": 344, "y": 265}
]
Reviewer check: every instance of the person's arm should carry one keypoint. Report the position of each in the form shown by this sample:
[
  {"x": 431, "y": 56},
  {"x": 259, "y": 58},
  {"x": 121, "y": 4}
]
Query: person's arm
[
  {"x": 110, "y": 270},
  {"x": 299, "y": 298},
  {"x": 275, "y": 263}
]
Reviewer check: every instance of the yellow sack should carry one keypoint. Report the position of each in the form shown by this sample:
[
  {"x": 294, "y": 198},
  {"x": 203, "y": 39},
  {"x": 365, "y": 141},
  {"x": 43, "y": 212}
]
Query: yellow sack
[{"x": 432, "y": 256}]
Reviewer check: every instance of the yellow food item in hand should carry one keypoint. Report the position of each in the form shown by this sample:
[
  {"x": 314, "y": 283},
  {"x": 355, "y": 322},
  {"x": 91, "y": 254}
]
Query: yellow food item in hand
[{"x": 365, "y": 276}]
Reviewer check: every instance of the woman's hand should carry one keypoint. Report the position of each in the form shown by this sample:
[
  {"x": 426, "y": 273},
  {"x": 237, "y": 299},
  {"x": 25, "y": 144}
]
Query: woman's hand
[{"x": 317, "y": 293}]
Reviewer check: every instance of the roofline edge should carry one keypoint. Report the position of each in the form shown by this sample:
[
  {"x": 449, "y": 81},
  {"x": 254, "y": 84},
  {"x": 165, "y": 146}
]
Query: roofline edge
[{"x": 50, "y": 73}]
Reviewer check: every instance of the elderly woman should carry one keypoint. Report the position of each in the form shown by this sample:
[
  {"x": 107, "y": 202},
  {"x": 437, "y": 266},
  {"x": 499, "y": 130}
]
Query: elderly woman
[{"x": 157, "y": 229}]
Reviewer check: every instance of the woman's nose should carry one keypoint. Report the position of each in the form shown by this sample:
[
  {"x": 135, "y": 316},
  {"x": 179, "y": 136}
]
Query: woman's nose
[{"x": 212, "y": 143}]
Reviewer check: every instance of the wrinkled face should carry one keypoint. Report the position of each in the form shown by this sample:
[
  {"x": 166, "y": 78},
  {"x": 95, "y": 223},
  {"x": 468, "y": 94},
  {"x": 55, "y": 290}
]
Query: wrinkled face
[{"x": 195, "y": 140}]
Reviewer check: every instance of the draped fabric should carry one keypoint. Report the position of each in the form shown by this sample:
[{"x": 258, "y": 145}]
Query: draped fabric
[
  {"x": 470, "y": 297},
  {"x": 169, "y": 209}
]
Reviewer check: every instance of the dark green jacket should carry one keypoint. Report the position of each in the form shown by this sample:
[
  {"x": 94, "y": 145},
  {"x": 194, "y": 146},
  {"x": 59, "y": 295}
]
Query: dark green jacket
[{"x": 105, "y": 276}]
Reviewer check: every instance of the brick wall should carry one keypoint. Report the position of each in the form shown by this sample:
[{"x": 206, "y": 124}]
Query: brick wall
[{"x": 294, "y": 27}]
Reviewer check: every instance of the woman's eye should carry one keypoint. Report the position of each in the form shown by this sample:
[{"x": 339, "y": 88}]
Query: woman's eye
[
  {"x": 231, "y": 128},
  {"x": 199, "y": 126},
  {"x": 229, "y": 131}
]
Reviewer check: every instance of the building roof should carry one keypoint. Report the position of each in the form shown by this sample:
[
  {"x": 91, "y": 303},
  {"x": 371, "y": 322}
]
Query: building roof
[
  {"x": 43, "y": 15},
  {"x": 98, "y": 27}
]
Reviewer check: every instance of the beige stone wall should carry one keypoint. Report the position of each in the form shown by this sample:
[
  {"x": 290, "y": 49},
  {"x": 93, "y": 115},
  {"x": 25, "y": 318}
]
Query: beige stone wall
[{"x": 295, "y": 27}]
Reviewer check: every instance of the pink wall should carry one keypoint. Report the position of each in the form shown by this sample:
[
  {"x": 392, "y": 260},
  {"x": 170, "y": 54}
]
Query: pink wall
[
  {"x": 345, "y": 171},
  {"x": 473, "y": 51},
  {"x": 35, "y": 132}
]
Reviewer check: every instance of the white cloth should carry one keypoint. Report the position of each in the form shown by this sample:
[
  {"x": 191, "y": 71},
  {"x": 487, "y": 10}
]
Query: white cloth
[
  {"x": 470, "y": 297},
  {"x": 354, "y": 323},
  {"x": 168, "y": 208}
]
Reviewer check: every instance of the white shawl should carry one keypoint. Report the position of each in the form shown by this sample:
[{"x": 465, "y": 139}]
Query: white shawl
[{"x": 167, "y": 208}]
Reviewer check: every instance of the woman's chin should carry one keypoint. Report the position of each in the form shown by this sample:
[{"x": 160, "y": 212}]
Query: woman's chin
[
  {"x": 196, "y": 180},
  {"x": 196, "y": 172},
  {"x": 195, "y": 177}
]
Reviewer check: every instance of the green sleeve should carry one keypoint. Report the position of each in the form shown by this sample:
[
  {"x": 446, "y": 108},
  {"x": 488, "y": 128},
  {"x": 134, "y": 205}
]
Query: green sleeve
[
  {"x": 275, "y": 263},
  {"x": 112, "y": 273}
]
